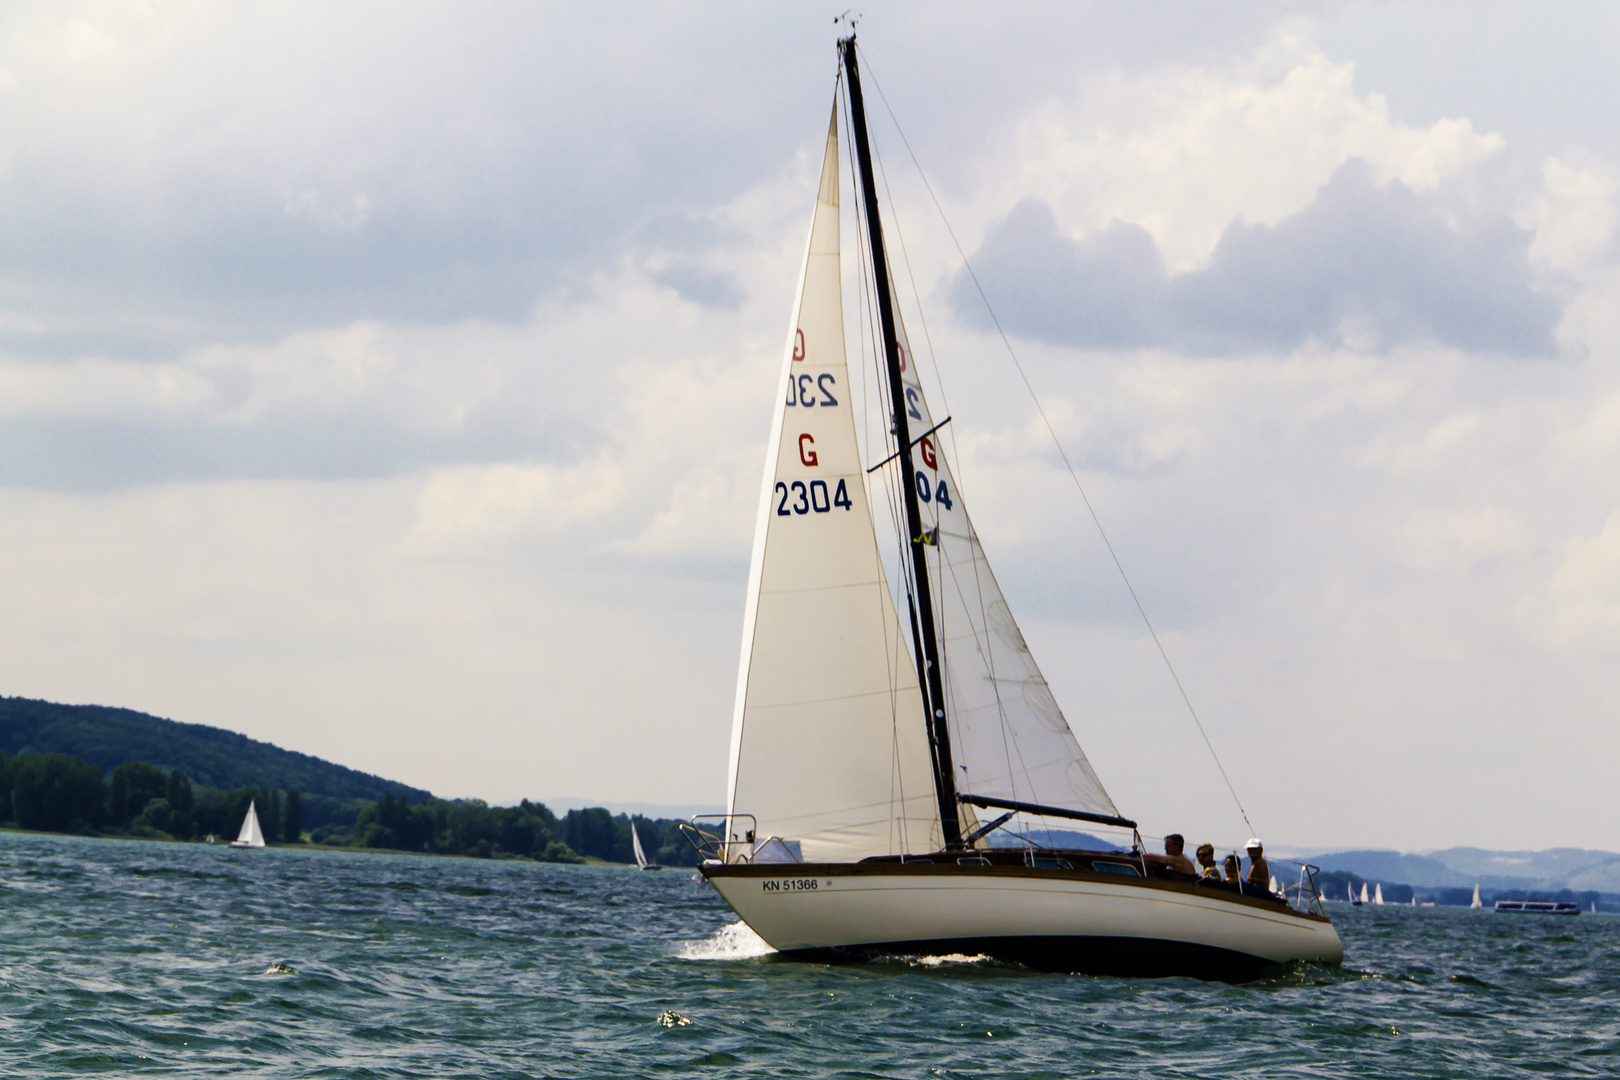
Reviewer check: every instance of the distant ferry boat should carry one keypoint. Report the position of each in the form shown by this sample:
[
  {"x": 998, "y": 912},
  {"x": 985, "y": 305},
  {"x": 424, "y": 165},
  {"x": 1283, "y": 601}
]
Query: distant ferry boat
[{"x": 1539, "y": 907}]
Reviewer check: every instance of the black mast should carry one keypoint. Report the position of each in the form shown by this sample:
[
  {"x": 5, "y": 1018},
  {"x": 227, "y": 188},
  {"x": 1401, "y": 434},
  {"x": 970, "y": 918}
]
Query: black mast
[{"x": 939, "y": 737}]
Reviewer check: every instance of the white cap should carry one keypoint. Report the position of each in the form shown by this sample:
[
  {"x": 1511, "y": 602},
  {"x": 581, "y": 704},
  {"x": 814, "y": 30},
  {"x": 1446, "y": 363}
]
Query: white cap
[{"x": 1254, "y": 842}]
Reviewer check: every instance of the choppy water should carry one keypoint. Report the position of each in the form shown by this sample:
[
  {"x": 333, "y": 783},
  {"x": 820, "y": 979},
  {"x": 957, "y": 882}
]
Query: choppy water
[{"x": 181, "y": 960}]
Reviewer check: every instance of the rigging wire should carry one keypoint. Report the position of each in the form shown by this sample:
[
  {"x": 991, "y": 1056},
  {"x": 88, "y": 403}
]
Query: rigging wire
[
  {"x": 1009, "y": 741},
  {"x": 868, "y": 330},
  {"x": 1050, "y": 430}
]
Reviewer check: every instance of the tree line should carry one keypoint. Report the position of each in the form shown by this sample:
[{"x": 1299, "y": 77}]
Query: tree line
[{"x": 61, "y": 793}]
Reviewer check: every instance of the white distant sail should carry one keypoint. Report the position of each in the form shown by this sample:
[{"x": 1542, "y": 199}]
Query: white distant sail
[
  {"x": 250, "y": 836},
  {"x": 1378, "y": 893},
  {"x": 1363, "y": 892},
  {"x": 1476, "y": 902},
  {"x": 635, "y": 847},
  {"x": 1276, "y": 888}
]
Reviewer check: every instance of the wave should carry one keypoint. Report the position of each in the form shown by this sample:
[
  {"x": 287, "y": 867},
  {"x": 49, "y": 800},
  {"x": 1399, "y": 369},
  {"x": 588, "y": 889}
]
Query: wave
[{"x": 734, "y": 941}]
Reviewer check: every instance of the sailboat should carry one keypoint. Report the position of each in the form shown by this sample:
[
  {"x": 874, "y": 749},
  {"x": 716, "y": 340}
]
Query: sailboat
[
  {"x": 1378, "y": 892},
  {"x": 1475, "y": 902},
  {"x": 251, "y": 836},
  {"x": 641, "y": 856},
  {"x": 872, "y": 753},
  {"x": 1363, "y": 899}
]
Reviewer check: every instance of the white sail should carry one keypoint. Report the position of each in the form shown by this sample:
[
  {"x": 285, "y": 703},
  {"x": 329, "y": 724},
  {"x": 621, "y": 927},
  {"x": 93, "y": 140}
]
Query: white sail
[
  {"x": 1276, "y": 888},
  {"x": 250, "y": 836},
  {"x": 1009, "y": 737},
  {"x": 1475, "y": 902},
  {"x": 828, "y": 744},
  {"x": 635, "y": 847},
  {"x": 1378, "y": 893},
  {"x": 1363, "y": 892}
]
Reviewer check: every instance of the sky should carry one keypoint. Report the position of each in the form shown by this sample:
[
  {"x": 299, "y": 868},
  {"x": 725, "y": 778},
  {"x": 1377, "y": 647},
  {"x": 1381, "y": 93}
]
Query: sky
[{"x": 391, "y": 383}]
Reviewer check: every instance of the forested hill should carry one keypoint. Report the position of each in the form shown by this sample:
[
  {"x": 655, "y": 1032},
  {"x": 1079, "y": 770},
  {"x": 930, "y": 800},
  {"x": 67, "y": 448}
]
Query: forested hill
[{"x": 208, "y": 755}]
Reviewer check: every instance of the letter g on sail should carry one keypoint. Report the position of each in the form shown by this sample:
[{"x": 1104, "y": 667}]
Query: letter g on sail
[
  {"x": 807, "y": 455},
  {"x": 798, "y": 344}
]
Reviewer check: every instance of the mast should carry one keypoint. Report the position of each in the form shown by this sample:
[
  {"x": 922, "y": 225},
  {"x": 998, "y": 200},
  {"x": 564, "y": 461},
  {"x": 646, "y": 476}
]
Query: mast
[{"x": 939, "y": 736}]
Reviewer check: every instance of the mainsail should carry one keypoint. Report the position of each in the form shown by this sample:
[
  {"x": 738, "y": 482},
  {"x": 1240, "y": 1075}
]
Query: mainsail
[
  {"x": 635, "y": 847},
  {"x": 828, "y": 743}
]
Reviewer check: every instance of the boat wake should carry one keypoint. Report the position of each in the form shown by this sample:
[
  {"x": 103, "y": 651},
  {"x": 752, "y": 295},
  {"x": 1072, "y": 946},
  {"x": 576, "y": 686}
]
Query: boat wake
[
  {"x": 734, "y": 941},
  {"x": 948, "y": 958}
]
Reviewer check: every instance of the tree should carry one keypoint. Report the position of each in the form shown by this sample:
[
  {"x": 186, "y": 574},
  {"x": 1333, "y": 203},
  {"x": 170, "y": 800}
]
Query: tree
[
  {"x": 7, "y": 764},
  {"x": 292, "y": 825},
  {"x": 158, "y": 815},
  {"x": 181, "y": 802},
  {"x": 58, "y": 793},
  {"x": 270, "y": 814},
  {"x": 134, "y": 784}
]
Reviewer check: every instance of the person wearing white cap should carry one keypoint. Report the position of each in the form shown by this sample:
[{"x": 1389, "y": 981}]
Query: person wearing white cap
[{"x": 1259, "y": 872}]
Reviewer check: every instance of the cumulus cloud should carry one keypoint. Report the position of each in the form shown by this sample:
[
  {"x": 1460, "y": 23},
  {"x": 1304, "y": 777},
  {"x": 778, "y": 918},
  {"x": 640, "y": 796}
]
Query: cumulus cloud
[{"x": 1366, "y": 266}]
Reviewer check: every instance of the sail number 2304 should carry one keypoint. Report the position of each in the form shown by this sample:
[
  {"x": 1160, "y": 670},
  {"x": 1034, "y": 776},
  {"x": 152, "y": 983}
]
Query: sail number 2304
[{"x": 815, "y": 497}]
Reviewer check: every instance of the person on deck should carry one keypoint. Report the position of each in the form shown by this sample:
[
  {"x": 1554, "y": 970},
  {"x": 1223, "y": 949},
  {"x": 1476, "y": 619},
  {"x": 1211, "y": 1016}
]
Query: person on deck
[
  {"x": 1232, "y": 869},
  {"x": 1175, "y": 846},
  {"x": 1259, "y": 872},
  {"x": 1207, "y": 870}
]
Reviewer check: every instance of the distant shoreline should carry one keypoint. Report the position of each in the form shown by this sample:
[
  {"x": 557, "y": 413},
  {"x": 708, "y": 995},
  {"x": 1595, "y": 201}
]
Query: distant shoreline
[{"x": 329, "y": 849}]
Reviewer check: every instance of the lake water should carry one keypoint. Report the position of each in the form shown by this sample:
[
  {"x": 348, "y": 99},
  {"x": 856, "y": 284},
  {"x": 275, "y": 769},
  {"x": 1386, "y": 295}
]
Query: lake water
[{"x": 185, "y": 960}]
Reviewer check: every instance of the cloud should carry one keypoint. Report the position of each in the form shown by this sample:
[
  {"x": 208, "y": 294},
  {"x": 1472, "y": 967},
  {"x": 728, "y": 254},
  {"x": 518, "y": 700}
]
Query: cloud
[
  {"x": 1186, "y": 150},
  {"x": 1363, "y": 266}
]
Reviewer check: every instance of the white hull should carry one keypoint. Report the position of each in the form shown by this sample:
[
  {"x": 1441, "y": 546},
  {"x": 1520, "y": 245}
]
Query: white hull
[{"x": 1050, "y": 918}]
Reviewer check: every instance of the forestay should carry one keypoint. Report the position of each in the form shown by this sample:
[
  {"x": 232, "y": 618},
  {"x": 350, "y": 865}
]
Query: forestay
[{"x": 828, "y": 745}]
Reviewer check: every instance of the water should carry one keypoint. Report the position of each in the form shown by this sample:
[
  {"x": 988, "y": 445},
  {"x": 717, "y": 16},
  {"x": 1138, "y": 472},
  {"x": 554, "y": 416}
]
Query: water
[{"x": 184, "y": 960}]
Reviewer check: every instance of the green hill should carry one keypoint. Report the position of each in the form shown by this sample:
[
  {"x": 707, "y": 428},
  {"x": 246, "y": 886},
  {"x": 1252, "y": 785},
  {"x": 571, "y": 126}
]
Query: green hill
[{"x": 208, "y": 755}]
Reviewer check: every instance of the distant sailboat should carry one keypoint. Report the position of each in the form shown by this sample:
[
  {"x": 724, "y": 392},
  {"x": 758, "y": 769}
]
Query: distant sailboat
[
  {"x": 1378, "y": 892},
  {"x": 250, "y": 836},
  {"x": 1414, "y": 899},
  {"x": 641, "y": 856},
  {"x": 1476, "y": 902},
  {"x": 1363, "y": 899}
]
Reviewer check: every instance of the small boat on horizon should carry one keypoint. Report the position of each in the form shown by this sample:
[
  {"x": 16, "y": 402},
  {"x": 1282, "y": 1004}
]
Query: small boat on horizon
[
  {"x": 251, "y": 835},
  {"x": 1539, "y": 907},
  {"x": 1475, "y": 903},
  {"x": 641, "y": 856}
]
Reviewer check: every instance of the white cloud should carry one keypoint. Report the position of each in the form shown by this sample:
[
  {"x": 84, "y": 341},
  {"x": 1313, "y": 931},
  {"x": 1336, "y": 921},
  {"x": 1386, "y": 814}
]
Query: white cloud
[
  {"x": 1185, "y": 152},
  {"x": 1586, "y": 587}
]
